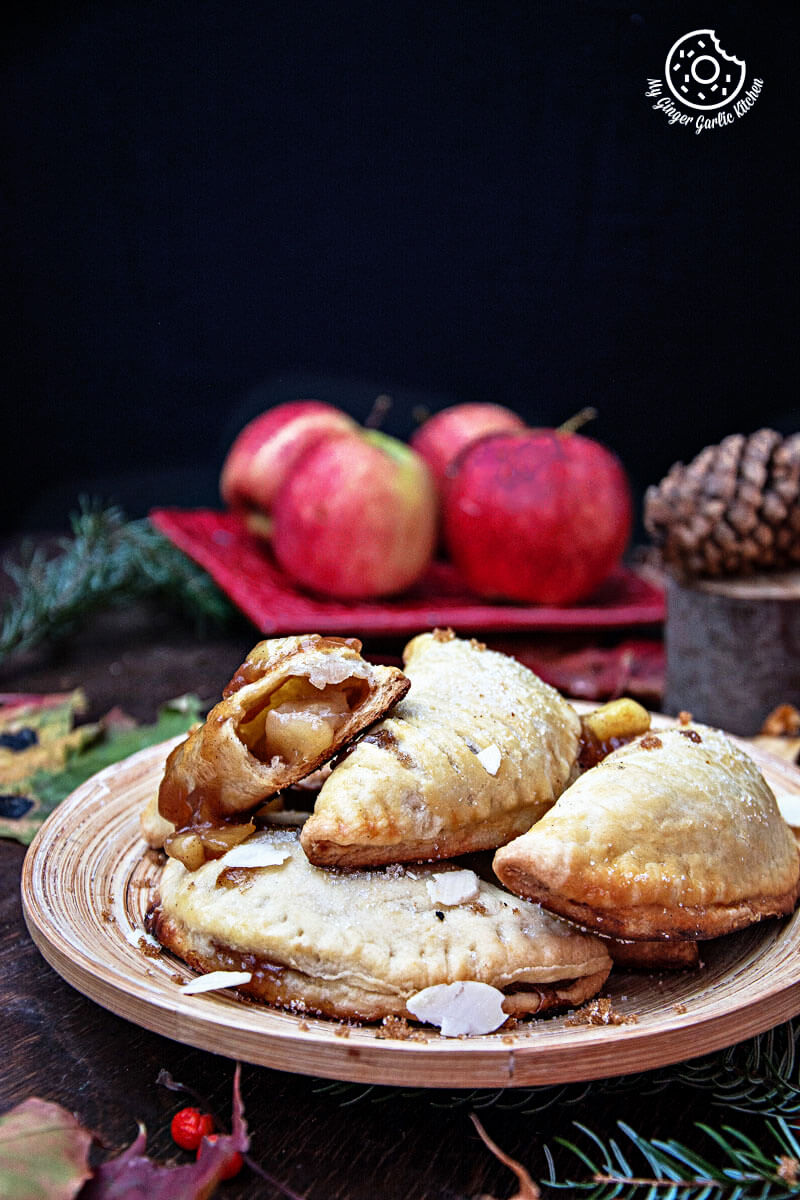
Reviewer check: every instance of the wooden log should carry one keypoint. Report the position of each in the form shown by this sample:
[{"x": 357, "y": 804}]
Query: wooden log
[{"x": 733, "y": 649}]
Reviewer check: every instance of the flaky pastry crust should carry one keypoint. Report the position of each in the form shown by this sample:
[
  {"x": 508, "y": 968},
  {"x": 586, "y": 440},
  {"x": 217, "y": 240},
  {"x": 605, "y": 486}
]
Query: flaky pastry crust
[
  {"x": 675, "y": 836},
  {"x": 231, "y": 764},
  {"x": 478, "y": 750},
  {"x": 358, "y": 945}
]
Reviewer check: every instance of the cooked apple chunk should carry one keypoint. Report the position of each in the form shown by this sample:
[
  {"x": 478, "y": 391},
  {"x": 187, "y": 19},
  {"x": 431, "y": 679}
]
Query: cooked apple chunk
[{"x": 289, "y": 708}]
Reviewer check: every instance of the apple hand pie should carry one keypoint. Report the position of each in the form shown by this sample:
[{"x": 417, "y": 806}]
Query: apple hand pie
[
  {"x": 290, "y": 706},
  {"x": 361, "y": 944},
  {"x": 478, "y": 750},
  {"x": 675, "y": 835}
]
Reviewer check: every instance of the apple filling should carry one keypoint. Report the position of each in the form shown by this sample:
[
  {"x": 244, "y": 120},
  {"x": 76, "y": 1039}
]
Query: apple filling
[
  {"x": 301, "y": 719},
  {"x": 193, "y": 847}
]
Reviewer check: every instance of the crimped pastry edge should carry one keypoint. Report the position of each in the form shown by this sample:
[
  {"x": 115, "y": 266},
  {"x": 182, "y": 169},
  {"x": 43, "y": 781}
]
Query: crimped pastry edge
[
  {"x": 453, "y": 843},
  {"x": 649, "y": 922},
  {"x": 299, "y": 993}
]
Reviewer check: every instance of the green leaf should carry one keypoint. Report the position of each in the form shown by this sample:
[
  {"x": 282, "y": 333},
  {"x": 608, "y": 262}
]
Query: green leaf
[
  {"x": 49, "y": 789},
  {"x": 43, "y": 1152}
]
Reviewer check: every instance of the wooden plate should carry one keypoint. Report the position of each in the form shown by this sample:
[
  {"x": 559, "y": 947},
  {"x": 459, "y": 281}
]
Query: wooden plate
[{"x": 87, "y": 880}]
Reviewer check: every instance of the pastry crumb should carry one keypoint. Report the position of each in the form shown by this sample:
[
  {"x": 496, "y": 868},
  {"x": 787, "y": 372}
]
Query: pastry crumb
[
  {"x": 600, "y": 1011},
  {"x": 680, "y": 1008},
  {"x": 443, "y": 635},
  {"x": 476, "y": 645},
  {"x": 303, "y": 1026},
  {"x": 783, "y": 721},
  {"x": 148, "y": 949},
  {"x": 399, "y": 1029},
  {"x": 342, "y": 1031},
  {"x": 691, "y": 734},
  {"x": 684, "y": 718},
  {"x": 651, "y": 741}
]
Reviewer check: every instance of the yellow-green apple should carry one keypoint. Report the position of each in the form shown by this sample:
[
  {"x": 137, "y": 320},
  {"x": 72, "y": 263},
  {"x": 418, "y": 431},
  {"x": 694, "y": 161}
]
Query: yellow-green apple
[
  {"x": 356, "y": 516},
  {"x": 444, "y": 435},
  {"x": 267, "y": 448},
  {"x": 541, "y": 516}
]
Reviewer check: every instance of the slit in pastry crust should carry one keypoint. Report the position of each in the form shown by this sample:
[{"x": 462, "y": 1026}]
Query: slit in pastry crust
[{"x": 674, "y": 836}]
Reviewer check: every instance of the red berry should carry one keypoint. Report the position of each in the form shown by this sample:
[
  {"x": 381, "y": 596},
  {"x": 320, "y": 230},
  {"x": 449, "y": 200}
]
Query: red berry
[
  {"x": 190, "y": 1126},
  {"x": 233, "y": 1165}
]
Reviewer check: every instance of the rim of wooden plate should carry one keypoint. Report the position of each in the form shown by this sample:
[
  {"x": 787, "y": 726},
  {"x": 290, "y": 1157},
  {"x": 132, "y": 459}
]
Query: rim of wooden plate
[{"x": 86, "y": 882}]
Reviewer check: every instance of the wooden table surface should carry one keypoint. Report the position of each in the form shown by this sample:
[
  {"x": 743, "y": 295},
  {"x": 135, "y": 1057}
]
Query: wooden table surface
[{"x": 316, "y": 1138}]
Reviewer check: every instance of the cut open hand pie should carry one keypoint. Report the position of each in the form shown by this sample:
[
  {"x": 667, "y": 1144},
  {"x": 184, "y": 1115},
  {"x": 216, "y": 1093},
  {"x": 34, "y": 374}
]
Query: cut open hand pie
[
  {"x": 478, "y": 750},
  {"x": 362, "y": 944},
  {"x": 676, "y": 835},
  {"x": 291, "y": 705}
]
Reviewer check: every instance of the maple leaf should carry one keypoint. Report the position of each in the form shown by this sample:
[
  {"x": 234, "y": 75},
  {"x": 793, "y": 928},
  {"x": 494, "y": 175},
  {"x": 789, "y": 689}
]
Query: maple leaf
[{"x": 43, "y": 1152}]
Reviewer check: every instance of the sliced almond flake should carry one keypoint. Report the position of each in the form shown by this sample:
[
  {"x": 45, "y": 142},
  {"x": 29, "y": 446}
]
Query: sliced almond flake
[
  {"x": 789, "y": 804},
  {"x": 335, "y": 670},
  {"x": 466, "y": 1007},
  {"x": 136, "y": 935},
  {"x": 261, "y": 853},
  {"x": 215, "y": 980},
  {"x": 453, "y": 887},
  {"x": 489, "y": 758}
]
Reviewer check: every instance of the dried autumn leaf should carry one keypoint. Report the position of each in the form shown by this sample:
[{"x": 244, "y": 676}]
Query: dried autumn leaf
[
  {"x": 132, "y": 1176},
  {"x": 527, "y": 1188},
  {"x": 43, "y": 1152}
]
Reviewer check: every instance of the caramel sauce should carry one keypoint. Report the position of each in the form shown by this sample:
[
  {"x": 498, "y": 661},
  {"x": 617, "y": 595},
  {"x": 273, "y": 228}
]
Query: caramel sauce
[
  {"x": 236, "y": 877},
  {"x": 593, "y": 750},
  {"x": 249, "y": 672},
  {"x": 384, "y": 739}
]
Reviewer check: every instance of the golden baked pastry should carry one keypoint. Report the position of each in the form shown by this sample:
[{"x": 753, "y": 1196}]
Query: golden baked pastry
[
  {"x": 675, "y": 835},
  {"x": 290, "y": 706},
  {"x": 478, "y": 750},
  {"x": 653, "y": 956},
  {"x": 362, "y": 944}
]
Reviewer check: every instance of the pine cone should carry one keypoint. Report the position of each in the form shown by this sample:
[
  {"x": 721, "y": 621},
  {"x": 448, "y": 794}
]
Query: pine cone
[{"x": 735, "y": 509}]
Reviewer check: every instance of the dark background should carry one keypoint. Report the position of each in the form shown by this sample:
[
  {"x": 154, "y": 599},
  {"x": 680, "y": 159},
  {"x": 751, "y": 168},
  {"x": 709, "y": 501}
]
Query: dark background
[{"x": 212, "y": 207}]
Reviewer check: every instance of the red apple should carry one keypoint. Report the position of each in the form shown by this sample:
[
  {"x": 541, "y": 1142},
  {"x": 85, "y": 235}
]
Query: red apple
[
  {"x": 443, "y": 436},
  {"x": 266, "y": 450},
  {"x": 356, "y": 517},
  {"x": 540, "y": 517}
]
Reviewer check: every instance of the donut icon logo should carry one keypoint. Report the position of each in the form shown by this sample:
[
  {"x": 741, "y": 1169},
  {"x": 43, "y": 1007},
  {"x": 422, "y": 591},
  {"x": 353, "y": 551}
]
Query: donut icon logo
[{"x": 700, "y": 74}]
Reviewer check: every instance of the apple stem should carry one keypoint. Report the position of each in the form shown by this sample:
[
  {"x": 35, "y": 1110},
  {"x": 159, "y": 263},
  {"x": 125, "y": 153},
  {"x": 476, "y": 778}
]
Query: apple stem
[
  {"x": 378, "y": 411},
  {"x": 258, "y": 523},
  {"x": 579, "y": 420}
]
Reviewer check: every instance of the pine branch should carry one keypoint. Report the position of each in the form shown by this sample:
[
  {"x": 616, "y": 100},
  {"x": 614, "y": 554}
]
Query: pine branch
[
  {"x": 673, "y": 1171},
  {"x": 758, "y": 1076},
  {"x": 107, "y": 562}
]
